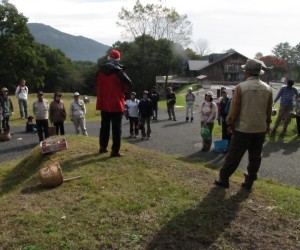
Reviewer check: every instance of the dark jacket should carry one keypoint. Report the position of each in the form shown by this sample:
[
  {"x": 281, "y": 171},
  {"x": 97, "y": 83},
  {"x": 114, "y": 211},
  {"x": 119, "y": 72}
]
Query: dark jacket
[
  {"x": 145, "y": 108},
  {"x": 155, "y": 96},
  {"x": 111, "y": 85},
  {"x": 171, "y": 98},
  {"x": 222, "y": 108}
]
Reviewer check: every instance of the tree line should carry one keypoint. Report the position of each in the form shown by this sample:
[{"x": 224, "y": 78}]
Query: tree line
[{"x": 157, "y": 37}]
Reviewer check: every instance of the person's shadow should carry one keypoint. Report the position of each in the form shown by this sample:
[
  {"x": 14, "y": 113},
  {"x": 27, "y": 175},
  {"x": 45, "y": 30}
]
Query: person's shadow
[{"x": 200, "y": 227}]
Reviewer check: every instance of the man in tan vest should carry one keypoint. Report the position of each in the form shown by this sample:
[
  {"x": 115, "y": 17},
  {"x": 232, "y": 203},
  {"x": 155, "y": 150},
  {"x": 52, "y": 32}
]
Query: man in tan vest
[{"x": 248, "y": 120}]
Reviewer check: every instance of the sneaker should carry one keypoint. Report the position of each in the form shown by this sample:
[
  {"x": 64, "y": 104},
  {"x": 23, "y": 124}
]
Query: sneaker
[
  {"x": 170, "y": 119},
  {"x": 174, "y": 120},
  {"x": 131, "y": 136},
  {"x": 135, "y": 136},
  {"x": 143, "y": 138},
  {"x": 222, "y": 183},
  {"x": 148, "y": 137}
]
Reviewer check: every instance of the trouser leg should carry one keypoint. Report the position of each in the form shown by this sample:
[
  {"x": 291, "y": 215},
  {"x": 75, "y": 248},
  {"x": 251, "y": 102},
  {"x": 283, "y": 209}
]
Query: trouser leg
[
  {"x": 82, "y": 125},
  {"x": 254, "y": 154},
  {"x": 136, "y": 125},
  {"x": 21, "y": 107},
  {"x": 104, "y": 130},
  {"x": 173, "y": 111},
  {"x": 131, "y": 121},
  {"x": 39, "y": 126},
  {"x": 298, "y": 124},
  {"x": 238, "y": 146},
  {"x": 116, "y": 131},
  {"x": 25, "y": 108},
  {"x": 169, "y": 110},
  {"x": 148, "y": 126}
]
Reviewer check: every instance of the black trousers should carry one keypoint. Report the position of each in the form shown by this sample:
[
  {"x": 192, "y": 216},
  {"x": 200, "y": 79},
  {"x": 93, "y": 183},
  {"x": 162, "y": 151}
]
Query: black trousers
[
  {"x": 134, "y": 125},
  {"x": 59, "y": 126},
  {"x": 225, "y": 134},
  {"x": 115, "y": 118},
  {"x": 298, "y": 124},
  {"x": 154, "y": 108},
  {"x": 240, "y": 143},
  {"x": 42, "y": 129}
]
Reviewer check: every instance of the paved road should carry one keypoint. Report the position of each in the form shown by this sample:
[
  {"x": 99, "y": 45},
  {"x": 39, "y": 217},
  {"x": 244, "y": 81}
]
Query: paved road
[{"x": 280, "y": 160}]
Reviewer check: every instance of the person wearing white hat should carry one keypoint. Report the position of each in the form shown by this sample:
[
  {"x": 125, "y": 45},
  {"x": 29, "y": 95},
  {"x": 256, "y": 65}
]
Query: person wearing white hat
[
  {"x": 249, "y": 119},
  {"x": 77, "y": 114},
  {"x": 208, "y": 113}
]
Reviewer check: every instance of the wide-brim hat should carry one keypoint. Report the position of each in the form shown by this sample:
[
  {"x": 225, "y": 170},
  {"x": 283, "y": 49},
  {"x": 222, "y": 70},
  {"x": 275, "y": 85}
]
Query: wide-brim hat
[
  {"x": 253, "y": 66},
  {"x": 4, "y": 89}
]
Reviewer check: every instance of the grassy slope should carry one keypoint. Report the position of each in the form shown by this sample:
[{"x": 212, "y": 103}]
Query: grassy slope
[{"x": 144, "y": 200}]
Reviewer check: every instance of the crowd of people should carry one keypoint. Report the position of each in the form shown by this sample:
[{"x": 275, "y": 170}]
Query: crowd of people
[
  {"x": 245, "y": 118},
  {"x": 43, "y": 112}
]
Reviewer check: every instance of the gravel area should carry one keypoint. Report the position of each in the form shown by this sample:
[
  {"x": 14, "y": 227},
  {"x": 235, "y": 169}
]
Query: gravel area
[{"x": 280, "y": 160}]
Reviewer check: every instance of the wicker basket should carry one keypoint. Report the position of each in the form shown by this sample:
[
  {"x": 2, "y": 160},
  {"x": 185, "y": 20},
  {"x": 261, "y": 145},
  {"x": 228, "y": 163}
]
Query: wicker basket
[{"x": 51, "y": 176}]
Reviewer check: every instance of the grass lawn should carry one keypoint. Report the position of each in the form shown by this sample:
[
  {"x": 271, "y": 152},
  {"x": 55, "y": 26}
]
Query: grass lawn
[{"x": 144, "y": 200}]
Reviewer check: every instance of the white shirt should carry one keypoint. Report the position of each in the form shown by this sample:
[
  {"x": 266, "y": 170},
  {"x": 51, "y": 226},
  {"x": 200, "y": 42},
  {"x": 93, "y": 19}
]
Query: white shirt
[
  {"x": 41, "y": 109},
  {"x": 133, "y": 107},
  {"x": 22, "y": 92}
]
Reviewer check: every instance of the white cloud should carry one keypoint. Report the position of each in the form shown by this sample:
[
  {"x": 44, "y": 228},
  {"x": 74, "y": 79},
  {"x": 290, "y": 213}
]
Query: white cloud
[{"x": 247, "y": 26}]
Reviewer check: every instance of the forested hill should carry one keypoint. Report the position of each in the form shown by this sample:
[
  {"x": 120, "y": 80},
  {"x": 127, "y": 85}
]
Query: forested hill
[{"x": 77, "y": 48}]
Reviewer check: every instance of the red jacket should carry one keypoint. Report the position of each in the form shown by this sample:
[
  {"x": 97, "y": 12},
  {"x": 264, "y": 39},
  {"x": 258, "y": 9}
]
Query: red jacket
[{"x": 111, "y": 85}]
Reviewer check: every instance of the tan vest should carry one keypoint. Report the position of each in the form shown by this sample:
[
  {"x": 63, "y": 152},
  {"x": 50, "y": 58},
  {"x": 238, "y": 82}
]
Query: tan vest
[{"x": 254, "y": 105}]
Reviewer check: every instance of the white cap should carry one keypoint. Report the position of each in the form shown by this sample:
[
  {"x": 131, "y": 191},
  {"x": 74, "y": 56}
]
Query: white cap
[{"x": 76, "y": 94}]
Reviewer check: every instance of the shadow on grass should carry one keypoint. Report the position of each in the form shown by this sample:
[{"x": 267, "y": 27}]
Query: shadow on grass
[
  {"x": 25, "y": 169},
  {"x": 31, "y": 164},
  {"x": 210, "y": 159},
  {"x": 200, "y": 227},
  {"x": 273, "y": 146}
]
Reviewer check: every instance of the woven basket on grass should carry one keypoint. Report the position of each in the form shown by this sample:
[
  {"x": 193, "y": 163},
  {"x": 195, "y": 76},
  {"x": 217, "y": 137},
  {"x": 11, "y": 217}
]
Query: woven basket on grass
[{"x": 51, "y": 176}]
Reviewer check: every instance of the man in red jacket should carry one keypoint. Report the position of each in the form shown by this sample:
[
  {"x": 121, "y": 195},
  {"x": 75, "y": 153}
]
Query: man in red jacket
[{"x": 111, "y": 85}]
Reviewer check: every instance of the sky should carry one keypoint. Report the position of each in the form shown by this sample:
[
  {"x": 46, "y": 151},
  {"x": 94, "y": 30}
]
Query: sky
[{"x": 247, "y": 26}]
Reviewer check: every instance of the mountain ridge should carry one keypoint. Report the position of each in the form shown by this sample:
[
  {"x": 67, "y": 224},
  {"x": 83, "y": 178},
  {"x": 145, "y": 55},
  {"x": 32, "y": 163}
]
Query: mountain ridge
[{"x": 77, "y": 48}]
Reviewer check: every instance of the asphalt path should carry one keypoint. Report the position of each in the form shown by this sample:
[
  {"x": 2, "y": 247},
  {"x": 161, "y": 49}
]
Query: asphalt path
[{"x": 280, "y": 160}]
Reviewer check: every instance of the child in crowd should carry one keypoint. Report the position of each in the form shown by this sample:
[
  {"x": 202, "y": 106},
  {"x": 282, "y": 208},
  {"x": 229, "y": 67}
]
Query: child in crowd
[
  {"x": 30, "y": 125},
  {"x": 145, "y": 113}
]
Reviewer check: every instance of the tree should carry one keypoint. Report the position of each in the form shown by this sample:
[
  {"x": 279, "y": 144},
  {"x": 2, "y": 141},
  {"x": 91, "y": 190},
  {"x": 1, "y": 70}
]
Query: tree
[
  {"x": 157, "y": 21},
  {"x": 145, "y": 58},
  {"x": 291, "y": 55},
  {"x": 18, "y": 50},
  {"x": 279, "y": 66},
  {"x": 202, "y": 47},
  {"x": 258, "y": 55}
]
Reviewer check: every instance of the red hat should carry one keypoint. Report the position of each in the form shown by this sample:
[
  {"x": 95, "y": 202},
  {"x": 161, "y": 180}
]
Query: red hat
[{"x": 114, "y": 54}]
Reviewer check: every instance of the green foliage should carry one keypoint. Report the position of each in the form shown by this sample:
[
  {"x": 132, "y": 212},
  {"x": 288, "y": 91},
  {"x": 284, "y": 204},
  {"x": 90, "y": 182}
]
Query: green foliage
[
  {"x": 291, "y": 55},
  {"x": 145, "y": 58},
  {"x": 17, "y": 49},
  {"x": 155, "y": 20}
]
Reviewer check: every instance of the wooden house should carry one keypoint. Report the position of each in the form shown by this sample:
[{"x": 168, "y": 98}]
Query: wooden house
[{"x": 223, "y": 69}]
